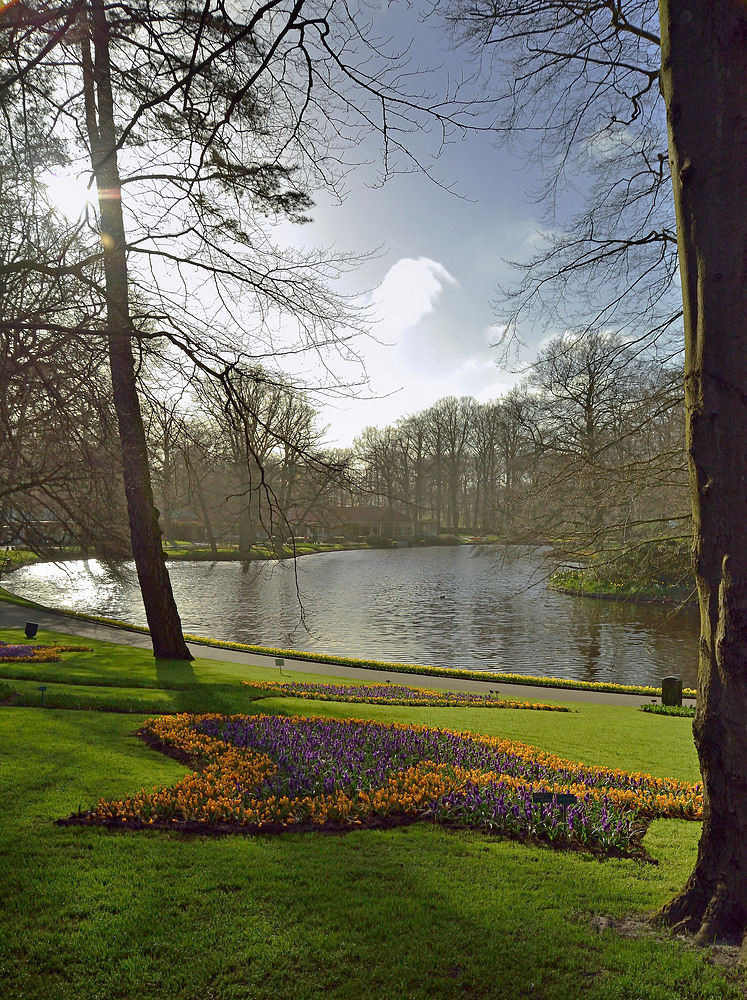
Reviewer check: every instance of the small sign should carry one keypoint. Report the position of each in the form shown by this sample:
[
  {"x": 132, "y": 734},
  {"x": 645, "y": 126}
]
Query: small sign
[
  {"x": 563, "y": 799},
  {"x": 279, "y": 661}
]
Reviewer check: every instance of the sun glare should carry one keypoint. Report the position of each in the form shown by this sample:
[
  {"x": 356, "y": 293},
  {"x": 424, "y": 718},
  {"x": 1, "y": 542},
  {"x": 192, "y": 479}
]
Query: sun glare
[{"x": 69, "y": 193}]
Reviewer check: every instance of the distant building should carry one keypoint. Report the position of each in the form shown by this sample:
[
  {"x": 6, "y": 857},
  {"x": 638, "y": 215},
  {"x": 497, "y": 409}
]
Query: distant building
[
  {"x": 355, "y": 522},
  {"x": 307, "y": 523},
  {"x": 382, "y": 522},
  {"x": 187, "y": 526}
]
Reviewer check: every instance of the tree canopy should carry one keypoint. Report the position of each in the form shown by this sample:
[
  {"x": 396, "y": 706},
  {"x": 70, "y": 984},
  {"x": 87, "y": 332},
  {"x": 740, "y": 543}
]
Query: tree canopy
[{"x": 196, "y": 123}]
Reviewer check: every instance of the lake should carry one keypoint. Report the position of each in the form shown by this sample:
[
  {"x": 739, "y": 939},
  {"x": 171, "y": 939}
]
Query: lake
[{"x": 448, "y": 607}]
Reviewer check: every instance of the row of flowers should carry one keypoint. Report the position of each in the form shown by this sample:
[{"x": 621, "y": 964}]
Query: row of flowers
[
  {"x": 420, "y": 669},
  {"x": 395, "y": 694},
  {"x": 685, "y": 711},
  {"x": 410, "y": 668},
  {"x": 269, "y": 772},
  {"x": 36, "y": 654}
]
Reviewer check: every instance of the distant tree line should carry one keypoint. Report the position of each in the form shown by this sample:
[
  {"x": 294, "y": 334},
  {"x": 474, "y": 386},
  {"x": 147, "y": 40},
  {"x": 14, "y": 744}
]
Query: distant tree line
[
  {"x": 588, "y": 447},
  {"x": 239, "y": 461},
  {"x": 587, "y": 451}
]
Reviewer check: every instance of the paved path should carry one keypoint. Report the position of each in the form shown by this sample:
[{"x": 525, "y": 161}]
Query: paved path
[{"x": 12, "y": 616}]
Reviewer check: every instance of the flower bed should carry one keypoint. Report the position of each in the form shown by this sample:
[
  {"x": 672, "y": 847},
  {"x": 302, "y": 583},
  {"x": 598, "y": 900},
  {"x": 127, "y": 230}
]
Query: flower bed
[
  {"x": 36, "y": 654},
  {"x": 394, "y": 694},
  {"x": 269, "y": 773}
]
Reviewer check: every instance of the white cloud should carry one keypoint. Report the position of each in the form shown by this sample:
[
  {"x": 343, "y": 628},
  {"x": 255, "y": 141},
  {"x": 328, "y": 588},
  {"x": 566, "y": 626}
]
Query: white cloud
[
  {"x": 496, "y": 389},
  {"x": 422, "y": 352},
  {"x": 610, "y": 142},
  {"x": 409, "y": 291},
  {"x": 474, "y": 365}
]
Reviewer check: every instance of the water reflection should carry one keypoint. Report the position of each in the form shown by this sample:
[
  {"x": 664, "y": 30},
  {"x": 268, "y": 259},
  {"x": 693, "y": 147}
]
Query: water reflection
[{"x": 440, "y": 606}]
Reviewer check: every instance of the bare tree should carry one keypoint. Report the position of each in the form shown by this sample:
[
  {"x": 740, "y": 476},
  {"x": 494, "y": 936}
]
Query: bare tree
[
  {"x": 520, "y": 447},
  {"x": 377, "y": 448},
  {"x": 457, "y": 416},
  {"x": 577, "y": 85},
  {"x": 603, "y": 64},
  {"x": 59, "y": 457},
  {"x": 489, "y": 466},
  {"x": 206, "y": 486},
  {"x": 584, "y": 383},
  {"x": 413, "y": 432},
  {"x": 267, "y": 434},
  {"x": 165, "y": 419},
  {"x": 195, "y": 121}
]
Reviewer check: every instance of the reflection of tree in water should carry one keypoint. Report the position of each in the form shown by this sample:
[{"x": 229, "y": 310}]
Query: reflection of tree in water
[
  {"x": 432, "y": 606},
  {"x": 590, "y": 650}
]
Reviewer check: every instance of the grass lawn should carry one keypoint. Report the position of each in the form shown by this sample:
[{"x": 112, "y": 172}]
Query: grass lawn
[{"x": 412, "y": 912}]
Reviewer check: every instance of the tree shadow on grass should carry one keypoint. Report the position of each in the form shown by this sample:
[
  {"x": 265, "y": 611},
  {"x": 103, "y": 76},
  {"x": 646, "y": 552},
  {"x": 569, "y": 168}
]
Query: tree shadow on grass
[
  {"x": 190, "y": 693},
  {"x": 176, "y": 675},
  {"x": 416, "y": 911}
]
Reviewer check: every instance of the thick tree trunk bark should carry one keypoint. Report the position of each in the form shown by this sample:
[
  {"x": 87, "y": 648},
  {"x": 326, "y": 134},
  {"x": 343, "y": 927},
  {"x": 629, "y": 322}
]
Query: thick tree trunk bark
[
  {"x": 704, "y": 83},
  {"x": 155, "y": 585}
]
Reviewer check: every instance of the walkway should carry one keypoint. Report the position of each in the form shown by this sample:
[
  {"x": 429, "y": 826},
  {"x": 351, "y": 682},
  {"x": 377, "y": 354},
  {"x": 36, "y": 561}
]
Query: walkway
[{"x": 15, "y": 616}]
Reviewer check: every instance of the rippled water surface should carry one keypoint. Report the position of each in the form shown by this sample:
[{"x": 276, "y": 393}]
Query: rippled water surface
[{"x": 440, "y": 606}]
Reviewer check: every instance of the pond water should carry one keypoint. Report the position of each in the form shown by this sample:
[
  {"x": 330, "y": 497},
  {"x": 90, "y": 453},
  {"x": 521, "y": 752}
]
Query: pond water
[{"x": 449, "y": 607}]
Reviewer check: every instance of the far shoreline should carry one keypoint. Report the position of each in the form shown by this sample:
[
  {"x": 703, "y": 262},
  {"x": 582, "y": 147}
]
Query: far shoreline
[
  {"x": 13, "y": 558},
  {"x": 685, "y": 601}
]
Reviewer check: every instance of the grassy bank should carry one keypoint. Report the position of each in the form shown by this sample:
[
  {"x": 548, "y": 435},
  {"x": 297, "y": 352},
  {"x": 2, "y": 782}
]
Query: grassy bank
[
  {"x": 195, "y": 552},
  {"x": 586, "y": 583},
  {"x": 404, "y": 668},
  {"x": 182, "y": 551},
  {"x": 657, "y": 570},
  {"x": 417, "y": 911}
]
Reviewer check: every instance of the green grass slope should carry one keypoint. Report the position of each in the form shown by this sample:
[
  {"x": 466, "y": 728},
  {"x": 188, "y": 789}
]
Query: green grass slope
[{"x": 412, "y": 912}]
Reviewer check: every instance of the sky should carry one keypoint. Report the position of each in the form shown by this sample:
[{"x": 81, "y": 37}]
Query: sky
[
  {"x": 441, "y": 256},
  {"x": 429, "y": 293},
  {"x": 437, "y": 251}
]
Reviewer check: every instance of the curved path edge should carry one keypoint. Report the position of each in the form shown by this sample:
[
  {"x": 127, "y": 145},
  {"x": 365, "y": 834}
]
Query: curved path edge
[{"x": 15, "y": 616}]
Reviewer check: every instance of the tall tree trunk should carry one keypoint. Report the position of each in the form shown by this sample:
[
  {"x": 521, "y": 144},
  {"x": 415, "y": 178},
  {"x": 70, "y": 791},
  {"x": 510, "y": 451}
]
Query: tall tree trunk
[
  {"x": 247, "y": 519},
  {"x": 195, "y": 482},
  {"x": 454, "y": 494},
  {"x": 704, "y": 83},
  {"x": 155, "y": 585},
  {"x": 207, "y": 520}
]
